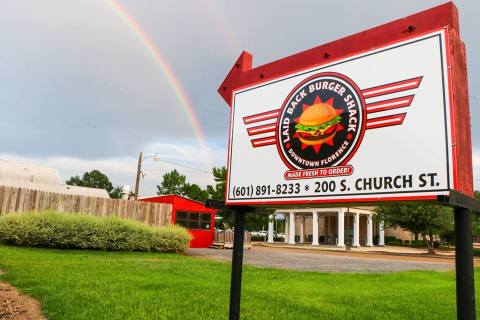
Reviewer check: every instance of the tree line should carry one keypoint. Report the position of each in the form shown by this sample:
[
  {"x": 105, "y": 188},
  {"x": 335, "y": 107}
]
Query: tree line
[
  {"x": 427, "y": 221},
  {"x": 174, "y": 182}
]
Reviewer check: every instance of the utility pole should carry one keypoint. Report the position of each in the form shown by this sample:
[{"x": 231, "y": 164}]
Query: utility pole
[
  {"x": 155, "y": 157},
  {"x": 139, "y": 172}
]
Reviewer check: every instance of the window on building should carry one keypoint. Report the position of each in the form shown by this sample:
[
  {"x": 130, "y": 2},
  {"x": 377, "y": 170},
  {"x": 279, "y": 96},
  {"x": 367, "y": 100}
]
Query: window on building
[
  {"x": 205, "y": 221},
  {"x": 193, "y": 220},
  {"x": 181, "y": 219}
]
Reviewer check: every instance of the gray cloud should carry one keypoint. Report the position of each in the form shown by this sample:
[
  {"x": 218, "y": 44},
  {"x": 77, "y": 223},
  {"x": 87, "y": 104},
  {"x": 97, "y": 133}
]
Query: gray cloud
[{"x": 77, "y": 82}]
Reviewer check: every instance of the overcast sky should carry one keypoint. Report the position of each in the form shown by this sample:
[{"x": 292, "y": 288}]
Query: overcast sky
[{"x": 81, "y": 91}]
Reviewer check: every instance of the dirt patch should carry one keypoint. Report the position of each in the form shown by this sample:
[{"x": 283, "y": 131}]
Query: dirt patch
[{"x": 17, "y": 306}]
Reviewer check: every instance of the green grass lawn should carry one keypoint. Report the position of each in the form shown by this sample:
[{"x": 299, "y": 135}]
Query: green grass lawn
[{"x": 112, "y": 285}]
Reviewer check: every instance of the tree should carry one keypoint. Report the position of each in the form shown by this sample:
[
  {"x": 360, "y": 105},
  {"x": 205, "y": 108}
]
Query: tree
[
  {"x": 194, "y": 192},
  {"x": 116, "y": 192},
  {"x": 427, "y": 220},
  {"x": 476, "y": 218},
  {"x": 220, "y": 178},
  {"x": 173, "y": 183},
  {"x": 95, "y": 179},
  {"x": 75, "y": 181},
  {"x": 217, "y": 192},
  {"x": 253, "y": 221}
]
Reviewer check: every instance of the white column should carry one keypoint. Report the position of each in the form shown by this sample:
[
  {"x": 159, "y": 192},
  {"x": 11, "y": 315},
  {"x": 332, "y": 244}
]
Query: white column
[
  {"x": 270, "y": 228},
  {"x": 302, "y": 225},
  {"x": 356, "y": 229},
  {"x": 369, "y": 231},
  {"x": 315, "y": 228},
  {"x": 341, "y": 228},
  {"x": 291, "y": 229},
  {"x": 381, "y": 234},
  {"x": 286, "y": 228}
]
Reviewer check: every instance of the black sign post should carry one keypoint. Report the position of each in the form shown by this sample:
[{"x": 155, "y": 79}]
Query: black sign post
[
  {"x": 237, "y": 256},
  {"x": 237, "y": 263},
  {"x": 463, "y": 207},
  {"x": 464, "y": 264}
]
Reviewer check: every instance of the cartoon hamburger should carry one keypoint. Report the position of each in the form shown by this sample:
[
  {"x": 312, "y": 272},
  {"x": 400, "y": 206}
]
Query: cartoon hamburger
[{"x": 317, "y": 123}]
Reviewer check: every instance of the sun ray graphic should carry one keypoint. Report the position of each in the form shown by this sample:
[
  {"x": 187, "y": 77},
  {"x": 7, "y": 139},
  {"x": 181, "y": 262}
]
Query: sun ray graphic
[{"x": 318, "y": 124}]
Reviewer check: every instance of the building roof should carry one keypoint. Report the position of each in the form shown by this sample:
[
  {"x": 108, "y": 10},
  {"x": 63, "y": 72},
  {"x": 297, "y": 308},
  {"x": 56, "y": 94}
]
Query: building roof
[
  {"x": 84, "y": 191},
  {"x": 28, "y": 176},
  {"x": 179, "y": 202},
  {"x": 167, "y": 196}
]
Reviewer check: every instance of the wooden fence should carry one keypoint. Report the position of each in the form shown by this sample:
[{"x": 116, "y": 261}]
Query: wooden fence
[{"x": 26, "y": 200}]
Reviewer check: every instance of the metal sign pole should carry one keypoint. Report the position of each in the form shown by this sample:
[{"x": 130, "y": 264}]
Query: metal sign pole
[
  {"x": 237, "y": 256},
  {"x": 237, "y": 262},
  {"x": 464, "y": 264},
  {"x": 463, "y": 207}
]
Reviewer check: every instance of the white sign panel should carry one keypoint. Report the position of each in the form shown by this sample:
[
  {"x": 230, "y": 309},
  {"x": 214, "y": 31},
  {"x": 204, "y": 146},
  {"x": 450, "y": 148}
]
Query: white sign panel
[{"x": 369, "y": 127}]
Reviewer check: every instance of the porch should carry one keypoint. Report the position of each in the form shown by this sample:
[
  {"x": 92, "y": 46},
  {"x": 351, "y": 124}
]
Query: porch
[{"x": 329, "y": 226}]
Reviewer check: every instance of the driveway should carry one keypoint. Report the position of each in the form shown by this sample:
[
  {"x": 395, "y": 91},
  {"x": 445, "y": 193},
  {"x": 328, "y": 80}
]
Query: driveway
[{"x": 325, "y": 261}]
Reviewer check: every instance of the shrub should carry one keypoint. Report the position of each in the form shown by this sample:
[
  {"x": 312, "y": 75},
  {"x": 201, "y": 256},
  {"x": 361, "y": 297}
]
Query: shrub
[
  {"x": 263, "y": 239},
  {"x": 476, "y": 252},
  {"x": 74, "y": 231},
  {"x": 390, "y": 238},
  {"x": 418, "y": 244},
  {"x": 395, "y": 243},
  {"x": 259, "y": 238}
]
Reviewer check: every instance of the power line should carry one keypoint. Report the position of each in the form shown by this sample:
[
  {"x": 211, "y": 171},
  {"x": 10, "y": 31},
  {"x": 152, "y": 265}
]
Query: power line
[
  {"x": 185, "y": 166},
  {"x": 168, "y": 170}
]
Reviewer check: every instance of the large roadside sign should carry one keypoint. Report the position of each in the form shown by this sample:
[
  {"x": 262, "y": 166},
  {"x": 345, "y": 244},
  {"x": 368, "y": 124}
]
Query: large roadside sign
[
  {"x": 377, "y": 116},
  {"x": 380, "y": 116}
]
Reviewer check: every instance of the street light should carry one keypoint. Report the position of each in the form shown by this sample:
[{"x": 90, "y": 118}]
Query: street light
[{"x": 141, "y": 158}]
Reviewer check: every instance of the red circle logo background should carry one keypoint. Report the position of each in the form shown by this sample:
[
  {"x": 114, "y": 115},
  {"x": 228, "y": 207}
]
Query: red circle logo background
[{"x": 345, "y": 133}]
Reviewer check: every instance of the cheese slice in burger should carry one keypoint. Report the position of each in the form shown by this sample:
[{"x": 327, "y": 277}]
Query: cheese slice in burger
[{"x": 317, "y": 124}]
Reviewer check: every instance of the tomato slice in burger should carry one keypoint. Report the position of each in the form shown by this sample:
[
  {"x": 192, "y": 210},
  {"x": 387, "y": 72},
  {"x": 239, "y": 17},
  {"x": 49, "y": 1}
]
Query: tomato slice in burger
[{"x": 330, "y": 130}]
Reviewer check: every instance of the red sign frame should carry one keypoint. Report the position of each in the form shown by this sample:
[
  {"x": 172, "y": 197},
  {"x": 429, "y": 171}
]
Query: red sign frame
[{"x": 444, "y": 16}]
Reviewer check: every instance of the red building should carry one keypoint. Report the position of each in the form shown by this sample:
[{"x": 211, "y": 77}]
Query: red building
[{"x": 191, "y": 214}]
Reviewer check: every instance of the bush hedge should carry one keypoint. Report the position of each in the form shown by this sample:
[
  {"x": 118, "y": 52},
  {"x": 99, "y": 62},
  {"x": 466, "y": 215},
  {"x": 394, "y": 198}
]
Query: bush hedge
[
  {"x": 265, "y": 238},
  {"x": 395, "y": 243},
  {"x": 75, "y": 231},
  {"x": 476, "y": 252},
  {"x": 258, "y": 238},
  {"x": 413, "y": 244},
  {"x": 418, "y": 244},
  {"x": 390, "y": 238}
]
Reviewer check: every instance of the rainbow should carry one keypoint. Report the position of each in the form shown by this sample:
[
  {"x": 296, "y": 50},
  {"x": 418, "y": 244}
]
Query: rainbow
[
  {"x": 223, "y": 27},
  {"x": 170, "y": 76}
]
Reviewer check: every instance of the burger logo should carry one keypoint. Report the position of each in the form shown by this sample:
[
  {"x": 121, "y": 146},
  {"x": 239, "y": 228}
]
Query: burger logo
[
  {"x": 321, "y": 123},
  {"x": 318, "y": 124}
]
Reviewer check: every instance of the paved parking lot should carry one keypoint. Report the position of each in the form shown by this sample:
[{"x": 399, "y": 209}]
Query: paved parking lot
[{"x": 326, "y": 261}]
